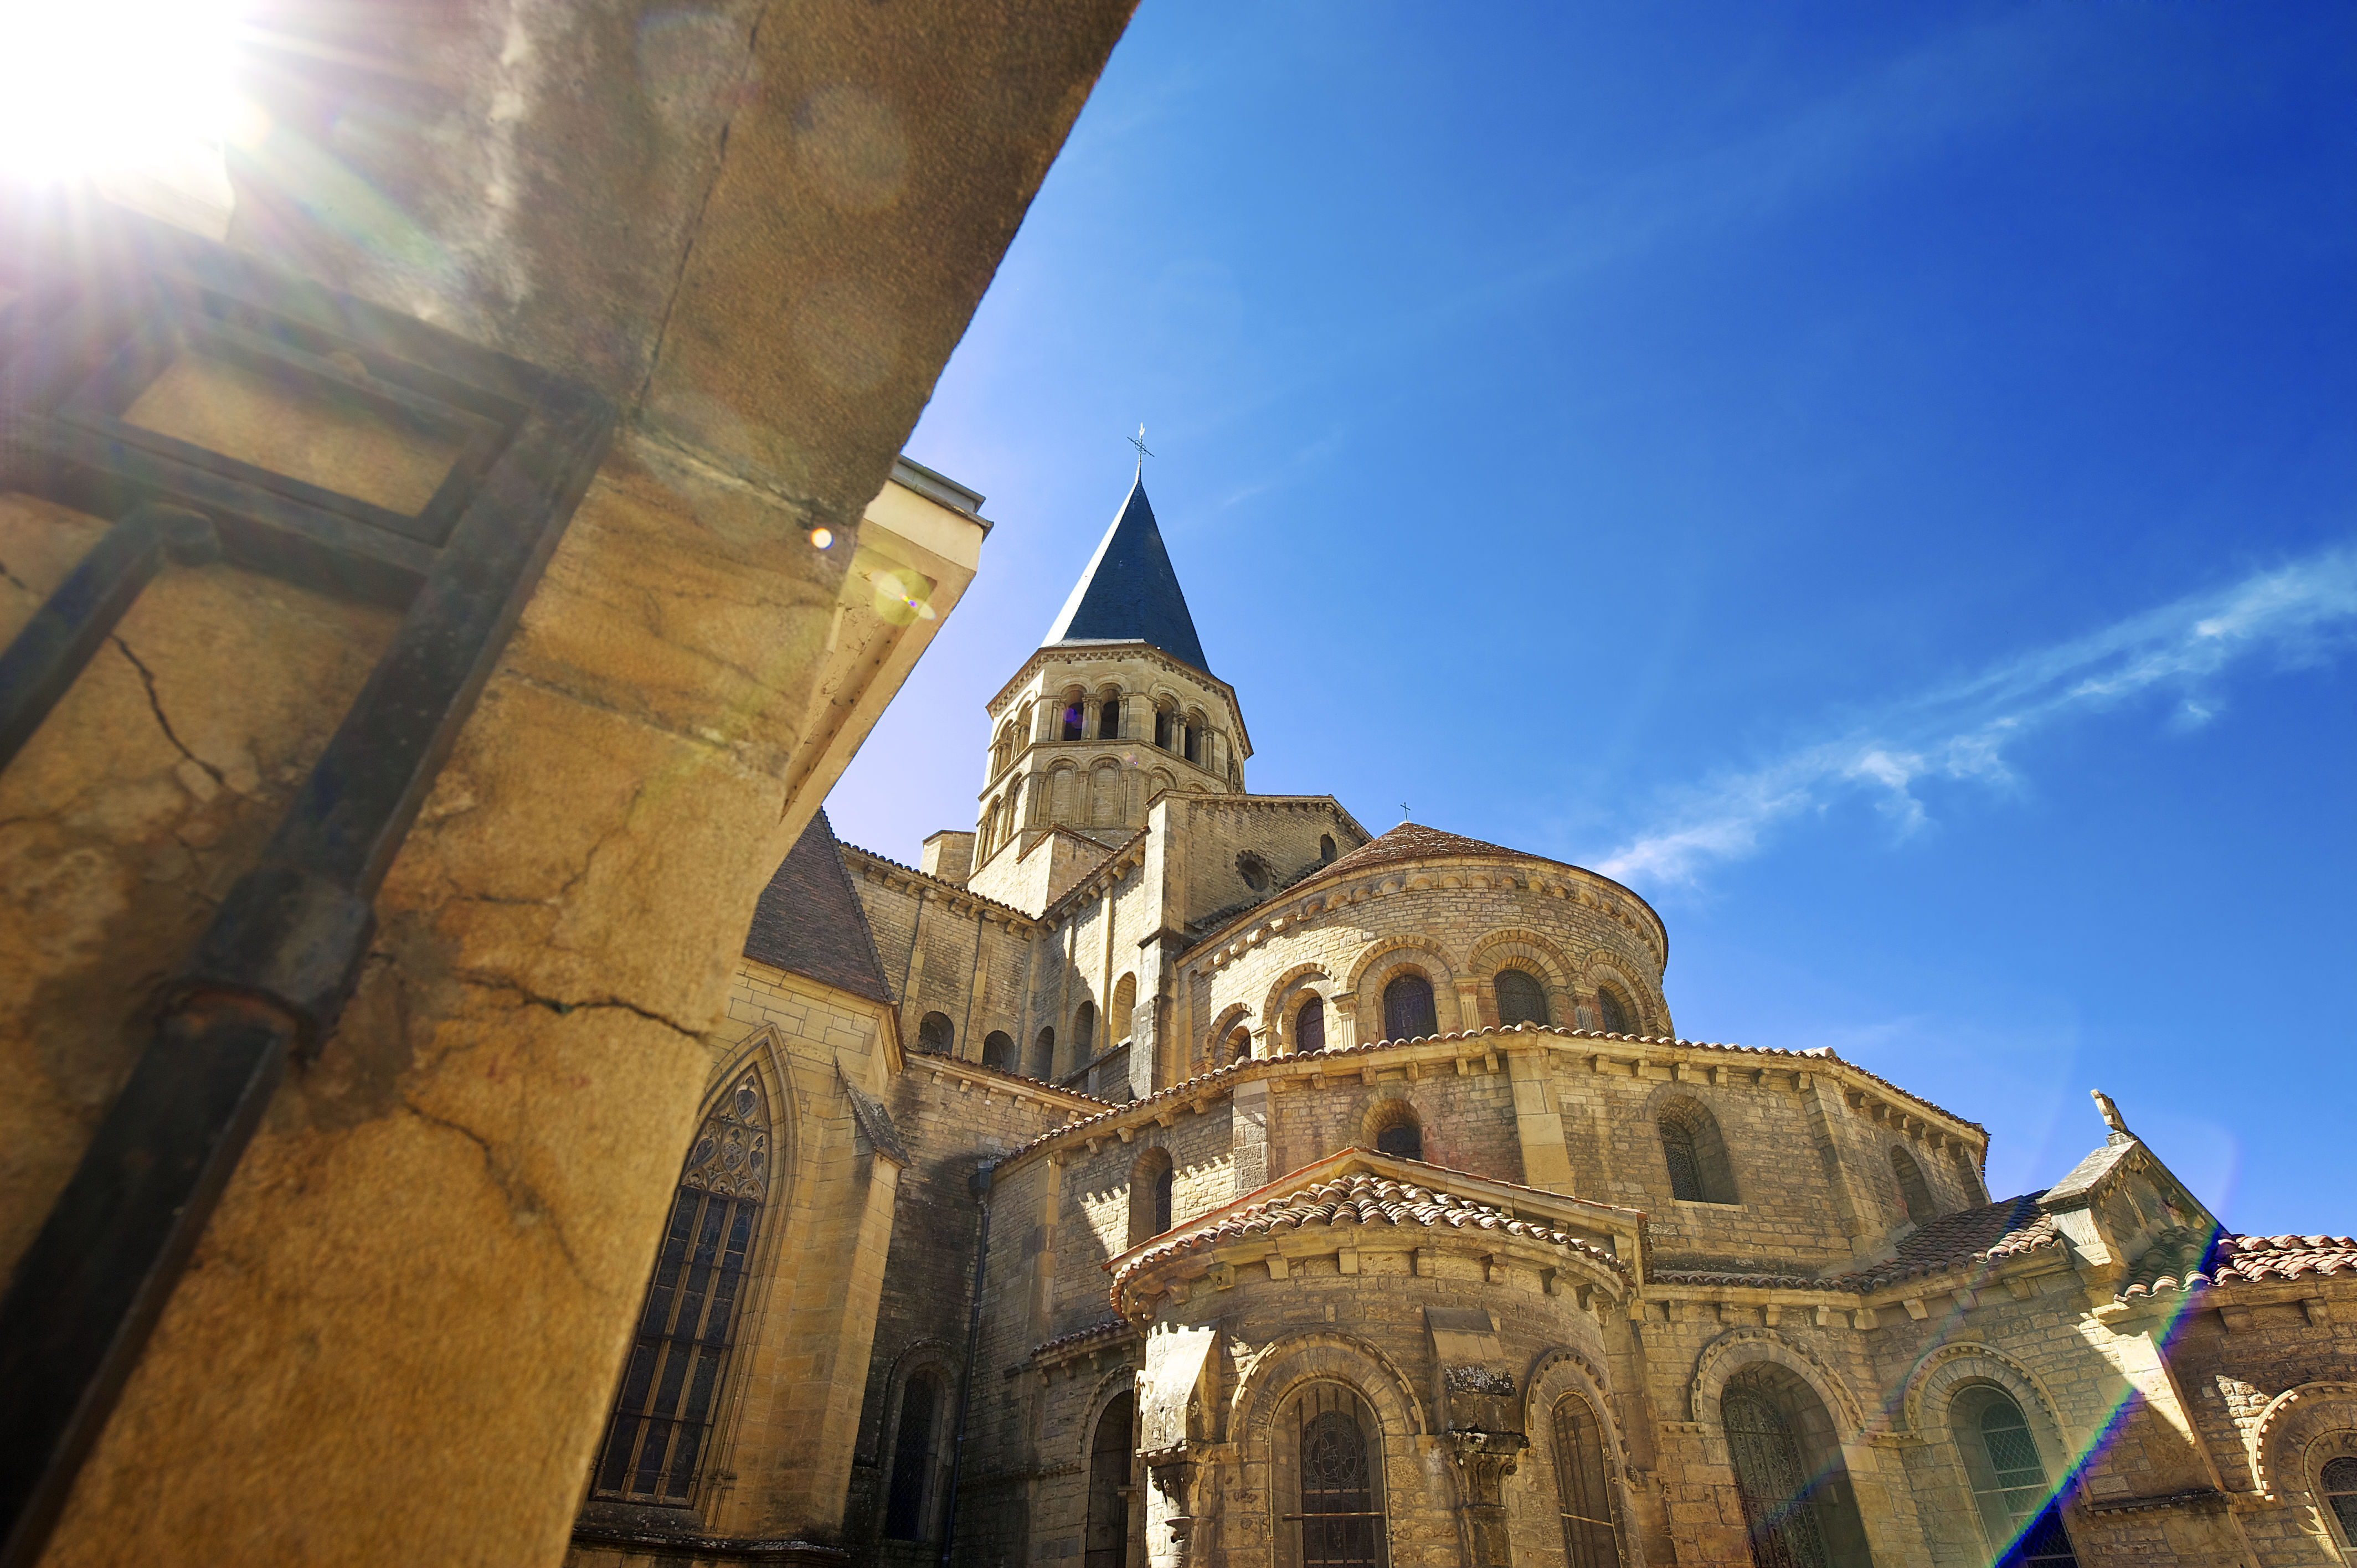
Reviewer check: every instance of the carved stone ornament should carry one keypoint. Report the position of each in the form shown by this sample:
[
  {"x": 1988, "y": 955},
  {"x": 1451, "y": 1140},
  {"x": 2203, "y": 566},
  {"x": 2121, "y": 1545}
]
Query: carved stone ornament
[
  {"x": 1485, "y": 1459},
  {"x": 731, "y": 1155},
  {"x": 1479, "y": 1381}
]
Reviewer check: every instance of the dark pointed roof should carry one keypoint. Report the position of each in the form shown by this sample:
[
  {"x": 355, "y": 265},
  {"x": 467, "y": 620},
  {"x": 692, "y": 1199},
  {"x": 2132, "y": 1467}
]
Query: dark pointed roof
[
  {"x": 1130, "y": 594},
  {"x": 808, "y": 920}
]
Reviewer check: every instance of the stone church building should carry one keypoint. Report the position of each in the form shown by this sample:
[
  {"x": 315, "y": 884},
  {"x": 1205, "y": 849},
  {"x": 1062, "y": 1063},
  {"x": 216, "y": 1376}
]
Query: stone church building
[{"x": 1162, "y": 1172}]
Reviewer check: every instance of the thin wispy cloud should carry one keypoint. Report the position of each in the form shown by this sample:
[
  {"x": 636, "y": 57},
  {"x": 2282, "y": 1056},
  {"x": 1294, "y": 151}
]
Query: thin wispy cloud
[{"x": 2291, "y": 615}]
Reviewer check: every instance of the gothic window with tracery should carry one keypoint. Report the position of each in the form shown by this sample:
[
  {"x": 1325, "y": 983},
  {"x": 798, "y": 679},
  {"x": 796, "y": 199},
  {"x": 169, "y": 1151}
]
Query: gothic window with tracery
[
  {"x": 662, "y": 1423},
  {"x": 1521, "y": 999},
  {"x": 1582, "y": 1495},
  {"x": 2338, "y": 1483},
  {"x": 1407, "y": 1008},
  {"x": 1338, "y": 1483},
  {"x": 1309, "y": 1026},
  {"x": 2022, "y": 1518}
]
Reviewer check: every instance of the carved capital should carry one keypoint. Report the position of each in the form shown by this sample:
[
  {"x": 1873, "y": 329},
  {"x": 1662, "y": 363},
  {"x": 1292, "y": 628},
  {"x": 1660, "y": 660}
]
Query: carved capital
[{"x": 1483, "y": 1461}]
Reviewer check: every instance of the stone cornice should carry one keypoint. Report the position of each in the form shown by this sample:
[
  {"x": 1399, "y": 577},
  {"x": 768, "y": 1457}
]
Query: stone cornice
[
  {"x": 1083, "y": 652},
  {"x": 875, "y": 867}
]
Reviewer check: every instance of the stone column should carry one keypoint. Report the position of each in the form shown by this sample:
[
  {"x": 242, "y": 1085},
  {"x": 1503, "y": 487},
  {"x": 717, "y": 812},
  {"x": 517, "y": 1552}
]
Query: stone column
[
  {"x": 1483, "y": 1461},
  {"x": 1342, "y": 1022}
]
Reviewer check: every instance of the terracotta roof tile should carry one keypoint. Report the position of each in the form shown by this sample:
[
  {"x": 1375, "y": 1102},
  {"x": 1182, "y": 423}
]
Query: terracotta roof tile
[
  {"x": 2178, "y": 1259},
  {"x": 1414, "y": 841},
  {"x": 1987, "y": 1234},
  {"x": 1360, "y": 1199},
  {"x": 1111, "y": 1328}
]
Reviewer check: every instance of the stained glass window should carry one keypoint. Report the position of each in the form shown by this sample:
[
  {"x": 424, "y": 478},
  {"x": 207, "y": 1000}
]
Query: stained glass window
[
  {"x": 1341, "y": 1513},
  {"x": 662, "y": 1414},
  {"x": 2338, "y": 1483}
]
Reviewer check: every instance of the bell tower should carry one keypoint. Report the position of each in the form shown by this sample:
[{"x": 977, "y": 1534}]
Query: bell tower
[{"x": 1116, "y": 706}]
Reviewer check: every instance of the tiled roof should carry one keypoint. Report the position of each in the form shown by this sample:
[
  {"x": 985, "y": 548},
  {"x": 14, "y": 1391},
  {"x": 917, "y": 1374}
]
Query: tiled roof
[
  {"x": 1413, "y": 841},
  {"x": 808, "y": 921},
  {"x": 1359, "y": 1199},
  {"x": 1111, "y": 1328},
  {"x": 983, "y": 1070},
  {"x": 2177, "y": 1261},
  {"x": 1987, "y": 1234},
  {"x": 1202, "y": 1082}
]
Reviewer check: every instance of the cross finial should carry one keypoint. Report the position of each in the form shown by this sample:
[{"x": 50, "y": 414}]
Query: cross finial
[
  {"x": 1403, "y": 810},
  {"x": 1138, "y": 441}
]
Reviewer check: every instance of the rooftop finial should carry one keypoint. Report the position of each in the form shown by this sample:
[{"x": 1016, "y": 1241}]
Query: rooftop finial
[
  {"x": 2111, "y": 1114},
  {"x": 1138, "y": 441}
]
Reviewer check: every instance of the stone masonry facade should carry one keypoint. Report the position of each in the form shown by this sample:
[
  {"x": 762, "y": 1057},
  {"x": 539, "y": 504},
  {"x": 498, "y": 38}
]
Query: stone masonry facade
[{"x": 1187, "y": 1176}]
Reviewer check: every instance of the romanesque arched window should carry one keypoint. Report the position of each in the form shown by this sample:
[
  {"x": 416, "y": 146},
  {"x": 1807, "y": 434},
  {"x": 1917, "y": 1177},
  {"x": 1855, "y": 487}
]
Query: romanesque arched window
[
  {"x": 662, "y": 1415},
  {"x": 1162, "y": 726},
  {"x": 1914, "y": 1192},
  {"x": 916, "y": 1456},
  {"x": 998, "y": 1050},
  {"x": 1150, "y": 1182},
  {"x": 934, "y": 1033},
  {"x": 2335, "y": 1485},
  {"x": 1104, "y": 795},
  {"x": 1521, "y": 998},
  {"x": 1583, "y": 1496},
  {"x": 1073, "y": 723},
  {"x": 1109, "y": 1485},
  {"x": 1084, "y": 1034},
  {"x": 1695, "y": 1154},
  {"x": 1043, "y": 1055},
  {"x": 1125, "y": 1008},
  {"x": 1325, "y": 849},
  {"x": 1109, "y": 719},
  {"x": 1613, "y": 1013},
  {"x": 1238, "y": 1044},
  {"x": 2019, "y": 1515},
  {"x": 1397, "y": 1130},
  {"x": 1329, "y": 1469},
  {"x": 1798, "y": 1508},
  {"x": 1309, "y": 1026},
  {"x": 1407, "y": 1008}
]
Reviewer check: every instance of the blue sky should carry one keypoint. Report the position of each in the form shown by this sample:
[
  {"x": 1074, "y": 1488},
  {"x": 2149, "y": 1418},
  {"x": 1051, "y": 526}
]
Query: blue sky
[{"x": 1877, "y": 479}]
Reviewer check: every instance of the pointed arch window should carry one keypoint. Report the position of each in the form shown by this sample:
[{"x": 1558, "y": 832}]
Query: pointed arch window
[
  {"x": 916, "y": 1455},
  {"x": 661, "y": 1422},
  {"x": 2020, "y": 1516},
  {"x": 1521, "y": 998},
  {"x": 1407, "y": 1008},
  {"x": 1309, "y": 1026},
  {"x": 1583, "y": 1497}
]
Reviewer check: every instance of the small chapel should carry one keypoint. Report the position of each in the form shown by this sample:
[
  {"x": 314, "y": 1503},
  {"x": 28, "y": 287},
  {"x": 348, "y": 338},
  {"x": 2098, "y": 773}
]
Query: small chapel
[{"x": 1161, "y": 1174}]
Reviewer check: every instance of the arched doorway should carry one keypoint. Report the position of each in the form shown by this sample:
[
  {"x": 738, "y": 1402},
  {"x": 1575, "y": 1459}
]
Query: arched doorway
[{"x": 1109, "y": 1485}]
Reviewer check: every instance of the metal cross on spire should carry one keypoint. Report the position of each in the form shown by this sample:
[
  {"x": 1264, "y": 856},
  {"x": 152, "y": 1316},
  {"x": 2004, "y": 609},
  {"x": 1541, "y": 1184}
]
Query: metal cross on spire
[
  {"x": 1403, "y": 810},
  {"x": 1138, "y": 441}
]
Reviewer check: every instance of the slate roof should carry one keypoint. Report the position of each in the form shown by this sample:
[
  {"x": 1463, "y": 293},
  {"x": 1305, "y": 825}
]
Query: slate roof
[
  {"x": 1130, "y": 592},
  {"x": 808, "y": 921},
  {"x": 1360, "y": 1199}
]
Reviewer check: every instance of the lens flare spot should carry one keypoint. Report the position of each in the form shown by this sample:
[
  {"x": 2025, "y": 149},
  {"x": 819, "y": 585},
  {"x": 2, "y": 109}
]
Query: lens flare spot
[{"x": 821, "y": 538}]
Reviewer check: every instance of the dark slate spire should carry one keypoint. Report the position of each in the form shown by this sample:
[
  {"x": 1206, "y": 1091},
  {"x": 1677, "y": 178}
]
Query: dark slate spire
[{"x": 1129, "y": 593}]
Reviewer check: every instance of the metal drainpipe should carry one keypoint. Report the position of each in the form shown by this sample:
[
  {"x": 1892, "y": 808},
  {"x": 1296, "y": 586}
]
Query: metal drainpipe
[{"x": 980, "y": 1187}]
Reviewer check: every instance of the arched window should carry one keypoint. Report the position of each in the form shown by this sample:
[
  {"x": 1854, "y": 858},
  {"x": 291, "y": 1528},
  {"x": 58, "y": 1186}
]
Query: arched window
[
  {"x": 986, "y": 832},
  {"x": 1043, "y": 1055},
  {"x": 670, "y": 1385},
  {"x": 1072, "y": 720},
  {"x": 1162, "y": 728},
  {"x": 1613, "y": 1013},
  {"x": 1798, "y": 1508},
  {"x": 1084, "y": 1034},
  {"x": 916, "y": 1455},
  {"x": 1695, "y": 1154},
  {"x": 1239, "y": 1045},
  {"x": 1109, "y": 719},
  {"x": 1914, "y": 1192},
  {"x": 1582, "y": 1496},
  {"x": 1407, "y": 1008},
  {"x": 933, "y": 1034},
  {"x": 2020, "y": 1516},
  {"x": 1397, "y": 1130},
  {"x": 1109, "y": 1487},
  {"x": 1309, "y": 1026},
  {"x": 1104, "y": 795},
  {"x": 1521, "y": 998},
  {"x": 1149, "y": 1196},
  {"x": 1325, "y": 848},
  {"x": 1125, "y": 1008},
  {"x": 2337, "y": 1482},
  {"x": 1331, "y": 1471},
  {"x": 998, "y": 1051}
]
